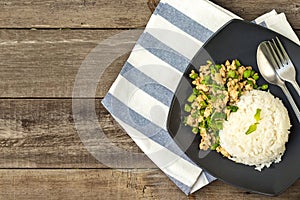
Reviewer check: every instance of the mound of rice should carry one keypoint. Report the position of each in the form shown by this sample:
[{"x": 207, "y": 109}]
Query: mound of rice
[{"x": 265, "y": 145}]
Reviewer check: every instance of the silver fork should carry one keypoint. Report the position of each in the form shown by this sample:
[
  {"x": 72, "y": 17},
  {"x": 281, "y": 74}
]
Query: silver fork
[{"x": 283, "y": 65}]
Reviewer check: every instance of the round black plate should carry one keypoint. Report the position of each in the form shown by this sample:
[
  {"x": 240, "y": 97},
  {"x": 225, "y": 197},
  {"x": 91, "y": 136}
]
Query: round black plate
[{"x": 239, "y": 39}]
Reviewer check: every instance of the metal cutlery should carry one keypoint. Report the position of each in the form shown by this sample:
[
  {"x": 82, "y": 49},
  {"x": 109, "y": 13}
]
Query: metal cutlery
[
  {"x": 284, "y": 67},
  {"x": 265, "y": 65}
]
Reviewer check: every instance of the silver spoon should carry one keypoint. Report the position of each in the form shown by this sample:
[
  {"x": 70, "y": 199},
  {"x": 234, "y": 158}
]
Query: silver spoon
[{"x": 268, "y": 72}]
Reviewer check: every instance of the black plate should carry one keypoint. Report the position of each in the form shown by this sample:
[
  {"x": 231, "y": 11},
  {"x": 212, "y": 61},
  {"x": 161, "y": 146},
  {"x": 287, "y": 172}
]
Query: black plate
[{"x": 239, "y": 39}]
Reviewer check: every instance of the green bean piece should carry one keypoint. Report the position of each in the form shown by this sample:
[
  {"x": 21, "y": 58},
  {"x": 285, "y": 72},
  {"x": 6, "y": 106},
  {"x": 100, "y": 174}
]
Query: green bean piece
[
  {"x": 194, "y": 76},
  {"x": 264, "y": 86},
  {"x": 185, "y": 120},
  {"x": 202, "y": 112},
  {"x": 255, "y": 77},
  {"x": 203, "y": 104},
  {"x": 247, "y": 73},
  {"x": 231, "y": 74},
  {"x": 237, "y": 63},
  {"x": 250, "y": 82},
  {"x": 191, "y": 98},
  {"x": 214, "y": 146},
  {"x": 195, "y": 91},
  {"x": 187, "y": 108},
  {"x": 218, "y": 67},
  {"x": 195, "y": 130}
]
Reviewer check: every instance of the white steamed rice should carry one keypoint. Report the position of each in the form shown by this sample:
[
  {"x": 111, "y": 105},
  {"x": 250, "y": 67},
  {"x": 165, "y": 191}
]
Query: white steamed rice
[{"x": 265, "y": 145}]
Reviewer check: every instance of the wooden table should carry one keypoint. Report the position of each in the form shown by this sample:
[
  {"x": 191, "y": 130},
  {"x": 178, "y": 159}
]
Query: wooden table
[{"x": 42, "y": 45}]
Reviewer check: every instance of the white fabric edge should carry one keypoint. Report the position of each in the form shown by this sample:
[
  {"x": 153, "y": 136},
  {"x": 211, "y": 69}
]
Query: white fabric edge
[
  {"x": 265, "y": 16},
  {"x": 280, "y": 24},
  {"x": 166, "y": 160},
  {"x": 200, "y": 183}
]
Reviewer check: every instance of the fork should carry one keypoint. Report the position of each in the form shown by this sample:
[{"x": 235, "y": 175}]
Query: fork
[{"x": 284, "y": 67}]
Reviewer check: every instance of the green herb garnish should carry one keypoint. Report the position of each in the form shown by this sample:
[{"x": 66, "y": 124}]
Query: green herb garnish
[
  {"x": 257, "y": 114},
  {"x": 233, "y": 108},
  {"x": 253, "y": 127}
]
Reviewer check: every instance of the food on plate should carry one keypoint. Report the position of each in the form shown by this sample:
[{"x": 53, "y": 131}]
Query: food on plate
[
  {"x": 217, "y": 89},
  {"x": 219, "y": 92},
  {"x": 256, "y": 134}
]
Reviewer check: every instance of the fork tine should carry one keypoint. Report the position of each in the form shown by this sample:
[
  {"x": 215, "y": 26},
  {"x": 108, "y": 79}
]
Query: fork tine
[
  {"x": 276, "y": 59},
  {"x": 286, "y": 56},
  {"x": 278, "y": 52}
]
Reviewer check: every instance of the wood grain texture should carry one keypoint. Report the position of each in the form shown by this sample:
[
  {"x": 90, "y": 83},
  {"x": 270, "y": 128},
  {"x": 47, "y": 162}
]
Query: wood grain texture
[
  {"x": 251, "y": 9},
  {"x": 73, "y": 14},
  {"x": 45, "y": 63},
  {"x": 42, "y": 134},
  {"x": 117, "y": 14},
  {"x": 113, "y": 184},
  {"x": 42, "y": 154}
]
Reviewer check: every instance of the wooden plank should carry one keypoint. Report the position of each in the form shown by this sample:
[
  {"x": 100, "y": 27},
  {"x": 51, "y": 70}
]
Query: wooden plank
[
  {"x": 44, "y": 63},
  {"x": 117, "y": 14},
  {"x": 74, "y": 14},
  {"x": 113, "y": 184},
  {"x": 251, "y": 9},
  {"x": 42, "y": 134}
]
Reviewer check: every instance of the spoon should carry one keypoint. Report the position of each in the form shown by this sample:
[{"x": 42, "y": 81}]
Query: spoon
[{"x": 267, "y": 70}]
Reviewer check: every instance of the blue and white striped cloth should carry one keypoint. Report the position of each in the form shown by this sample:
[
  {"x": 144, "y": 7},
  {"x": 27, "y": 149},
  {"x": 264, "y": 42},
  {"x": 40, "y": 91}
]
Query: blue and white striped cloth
[{"x": 140, "y": 97}]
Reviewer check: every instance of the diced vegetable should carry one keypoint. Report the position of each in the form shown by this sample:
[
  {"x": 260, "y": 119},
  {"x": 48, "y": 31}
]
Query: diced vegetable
[
  {"x": 191, "y": 98},
  {"x": 218, "y": 67},
  {"x": 247, "y": 73},
  {"x": 187, "y": 108},
  {"x": 193, "y": 76},
  {"x": 195, "y": 130},
  {"x": 237, "y": 63},
  {"x": 265, "y": 87},
  {"x": 255, "y": 77},
  {"x": 231, "y": 74},
  {"x": 214, "y": 146},
  {"x": 217, "y": 88}
]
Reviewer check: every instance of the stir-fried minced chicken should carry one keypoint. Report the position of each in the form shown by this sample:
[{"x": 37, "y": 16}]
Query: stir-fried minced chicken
[{"x": 217, "y": 90}]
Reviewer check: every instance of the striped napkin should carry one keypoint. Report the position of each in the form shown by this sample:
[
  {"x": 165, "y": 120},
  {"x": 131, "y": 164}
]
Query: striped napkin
[{"x": 140, "y": 97}]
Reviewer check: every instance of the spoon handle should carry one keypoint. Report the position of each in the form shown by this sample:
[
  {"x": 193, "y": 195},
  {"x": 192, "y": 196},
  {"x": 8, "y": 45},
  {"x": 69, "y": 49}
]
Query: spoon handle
[{"x": 291, "y": 100}]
